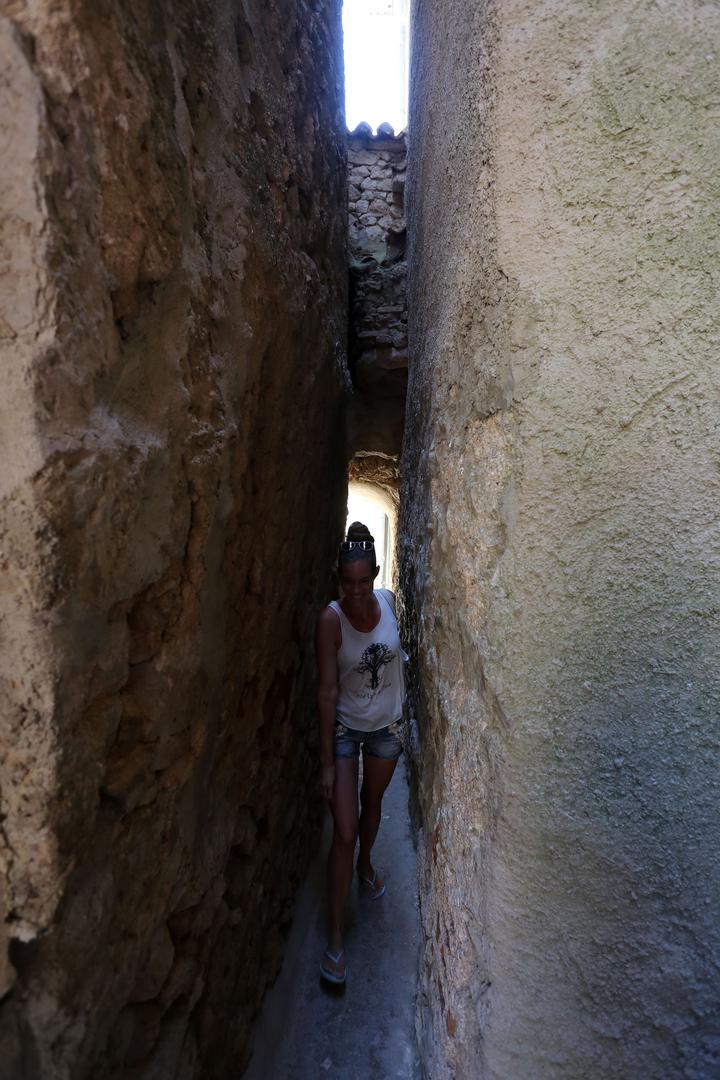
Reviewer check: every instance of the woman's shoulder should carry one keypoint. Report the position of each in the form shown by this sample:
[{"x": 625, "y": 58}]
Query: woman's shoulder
[
  {"x": 328, "y": 616},
  {"x": 328, "y": 627},
  {"x": 389, "y": 596},
  {"x": 328, "y": 621}
]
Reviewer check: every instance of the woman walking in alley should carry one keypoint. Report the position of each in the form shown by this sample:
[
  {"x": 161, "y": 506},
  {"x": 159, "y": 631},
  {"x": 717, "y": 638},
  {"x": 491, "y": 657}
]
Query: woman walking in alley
[{"x": 360, "y": 699}]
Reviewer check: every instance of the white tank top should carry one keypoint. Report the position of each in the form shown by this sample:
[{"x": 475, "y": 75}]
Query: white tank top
[{"x": 370, "y": 671}]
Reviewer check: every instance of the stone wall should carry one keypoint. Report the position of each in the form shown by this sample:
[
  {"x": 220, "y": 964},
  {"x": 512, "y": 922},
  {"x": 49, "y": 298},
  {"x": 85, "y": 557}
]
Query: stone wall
[
  {"x": 560, "y": 547},
  {"x": 377, "y": 339},
  {"x": 173, "y": 318}
]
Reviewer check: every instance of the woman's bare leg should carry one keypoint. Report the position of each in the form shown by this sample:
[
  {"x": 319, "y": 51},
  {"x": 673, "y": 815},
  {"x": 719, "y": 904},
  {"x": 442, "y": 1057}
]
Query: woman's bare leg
[
  {"x": 344, "y": 808},
  {"x": 377, "y": 774}
]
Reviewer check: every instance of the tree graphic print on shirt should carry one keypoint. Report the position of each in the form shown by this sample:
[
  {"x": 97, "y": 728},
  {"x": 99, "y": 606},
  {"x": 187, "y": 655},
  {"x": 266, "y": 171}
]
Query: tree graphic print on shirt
[{"x": 373, "y": 661}]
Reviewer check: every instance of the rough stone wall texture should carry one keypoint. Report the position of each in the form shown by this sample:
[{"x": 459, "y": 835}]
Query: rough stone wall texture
[
  {"x": 560, "y": 548},
  {"x": 377, "y": 337},
  {"x": 173, "y": 318},
  {"x": 380, "y": 471}
]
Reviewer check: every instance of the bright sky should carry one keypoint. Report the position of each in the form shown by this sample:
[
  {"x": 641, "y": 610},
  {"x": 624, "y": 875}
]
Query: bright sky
[{"x": 376, "y": 50}]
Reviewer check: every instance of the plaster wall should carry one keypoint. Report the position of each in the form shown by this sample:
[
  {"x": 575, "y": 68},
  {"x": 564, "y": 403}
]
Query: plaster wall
[
  {"x": 559, "y": 541},
  {"x": 173, "y": 319}
]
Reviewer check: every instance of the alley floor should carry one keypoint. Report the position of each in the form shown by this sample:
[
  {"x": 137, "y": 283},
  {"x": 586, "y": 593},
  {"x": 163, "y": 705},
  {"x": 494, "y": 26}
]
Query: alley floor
[{"x": 310, "y": 1030}]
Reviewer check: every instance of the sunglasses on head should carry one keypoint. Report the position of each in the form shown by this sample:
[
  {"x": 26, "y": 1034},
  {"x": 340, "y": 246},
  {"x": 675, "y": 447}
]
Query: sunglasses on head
[{"x": 364, "y": 545}]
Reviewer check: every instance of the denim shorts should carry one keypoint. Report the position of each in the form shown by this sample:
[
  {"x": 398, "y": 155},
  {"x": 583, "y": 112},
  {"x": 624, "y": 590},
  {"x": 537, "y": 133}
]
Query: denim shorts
[{"x": 383, "y": 743}]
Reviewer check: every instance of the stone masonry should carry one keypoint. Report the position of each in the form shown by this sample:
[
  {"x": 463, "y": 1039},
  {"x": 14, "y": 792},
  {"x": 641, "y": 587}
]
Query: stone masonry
[{"x": 377, "y": 340}]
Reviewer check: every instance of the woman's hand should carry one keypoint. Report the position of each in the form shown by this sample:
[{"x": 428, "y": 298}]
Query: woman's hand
[{"x": 327, "y": 781}]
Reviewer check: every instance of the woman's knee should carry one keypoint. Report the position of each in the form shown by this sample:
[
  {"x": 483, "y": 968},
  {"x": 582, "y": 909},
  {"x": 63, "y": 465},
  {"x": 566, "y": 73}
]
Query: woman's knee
[{"x": 346, "y": 833}]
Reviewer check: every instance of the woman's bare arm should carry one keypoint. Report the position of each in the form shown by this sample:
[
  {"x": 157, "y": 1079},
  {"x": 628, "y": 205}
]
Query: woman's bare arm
[{"x": 326, "y": 650}]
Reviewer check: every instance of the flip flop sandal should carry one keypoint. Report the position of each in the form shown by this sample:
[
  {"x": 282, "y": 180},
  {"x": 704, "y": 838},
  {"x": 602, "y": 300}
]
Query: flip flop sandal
[
  {"x": 332, "y": 976},
  {"x": 374, "y": 893}
]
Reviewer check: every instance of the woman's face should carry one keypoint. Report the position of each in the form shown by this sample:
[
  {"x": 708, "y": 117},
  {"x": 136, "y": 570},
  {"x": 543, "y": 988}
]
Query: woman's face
[{"x": 357, "y": 578}]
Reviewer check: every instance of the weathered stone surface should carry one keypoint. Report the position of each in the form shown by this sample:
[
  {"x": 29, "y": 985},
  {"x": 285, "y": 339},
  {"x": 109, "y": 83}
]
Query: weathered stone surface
[
  {"x": 360, "y": 159},
  {"x": 560, "y": 550},
  {"x": 172, "y": 314},
  {"x": 378, "y": 470}
]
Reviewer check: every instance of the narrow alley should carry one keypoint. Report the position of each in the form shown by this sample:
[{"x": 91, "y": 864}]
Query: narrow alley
[
  {"x": 227, "y": 309},
  {"x": 309, "y": 1029}
]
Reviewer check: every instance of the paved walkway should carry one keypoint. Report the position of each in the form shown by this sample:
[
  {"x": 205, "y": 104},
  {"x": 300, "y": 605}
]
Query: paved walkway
[{"x": 308, "y": 1030}]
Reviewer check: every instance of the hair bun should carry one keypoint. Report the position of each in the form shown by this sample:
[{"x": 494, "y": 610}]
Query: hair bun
[{"x": 358, "y": 531}]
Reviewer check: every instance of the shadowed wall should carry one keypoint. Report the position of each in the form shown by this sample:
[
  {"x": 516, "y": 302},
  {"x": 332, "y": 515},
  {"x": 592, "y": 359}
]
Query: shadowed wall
[
  {"x": 173, "y": 317},
  {"x": 559, "y": 536}
]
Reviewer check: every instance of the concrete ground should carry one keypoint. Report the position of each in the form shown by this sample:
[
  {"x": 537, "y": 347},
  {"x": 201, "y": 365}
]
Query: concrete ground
[{"x": 310, "y": 1030}]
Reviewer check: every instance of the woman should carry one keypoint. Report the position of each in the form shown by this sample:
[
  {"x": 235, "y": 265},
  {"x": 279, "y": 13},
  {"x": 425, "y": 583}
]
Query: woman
[{"x": 360, "y": 699}]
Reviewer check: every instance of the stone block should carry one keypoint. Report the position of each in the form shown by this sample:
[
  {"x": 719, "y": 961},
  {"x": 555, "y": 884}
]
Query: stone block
[
  {"x": 362, "y": 157},
  {"x": 380, "y": 186}
]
